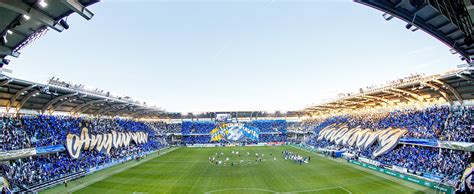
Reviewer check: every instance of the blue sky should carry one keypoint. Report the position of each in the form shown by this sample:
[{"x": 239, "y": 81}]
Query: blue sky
[{"x": 232, "y": 55}]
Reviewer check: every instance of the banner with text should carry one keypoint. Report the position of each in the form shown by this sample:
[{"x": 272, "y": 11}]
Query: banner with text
[
  {"x": 102, "y": 142},
  {"x": 234, "y": 132},
  {"x": 387, "y": 139}
]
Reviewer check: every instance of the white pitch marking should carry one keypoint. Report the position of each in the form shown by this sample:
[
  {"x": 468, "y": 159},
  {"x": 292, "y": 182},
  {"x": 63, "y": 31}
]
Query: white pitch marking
[
  {"x": 320, "y": 189},
  {"x": 345, "y": 189},
  {"x": 270, "y": 191},
  {"x": 230, "y": 189}
]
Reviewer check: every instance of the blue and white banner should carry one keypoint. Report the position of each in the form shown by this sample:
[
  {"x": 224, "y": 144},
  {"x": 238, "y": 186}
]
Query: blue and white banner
[
  {"x": 27, "y": 152},
  {"x": 235, "y": 132},
  {"x": 465, "y": 146},
  {"x": 250, "y": 132}
]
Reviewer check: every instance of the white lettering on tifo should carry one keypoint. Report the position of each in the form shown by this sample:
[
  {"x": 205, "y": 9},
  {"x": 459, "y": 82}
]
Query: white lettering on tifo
[
  {"x": 363, "y": 138},
  {"x": 388, "y": 140},
  {"x": 101, "y": 142}
]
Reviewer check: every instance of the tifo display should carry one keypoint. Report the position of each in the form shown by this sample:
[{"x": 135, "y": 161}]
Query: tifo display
[
  {"x": 235, "y": 110},
  {"x": 429, "y": 143}
]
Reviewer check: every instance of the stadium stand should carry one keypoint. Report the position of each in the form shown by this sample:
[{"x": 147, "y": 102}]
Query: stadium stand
[
  {"x": 198, "y": 127},
  {"x": 25, "y": 174},
  {"x": 36, "y": 146},
  {"x": 165, "y": 128},
  {"x": 438, "y": 123},
  {"x": 269, "y": 126},
  {"x": 431, "y": 108},
  {"x": 426, "y": 160},
  {"x": 199, "y": 132}
]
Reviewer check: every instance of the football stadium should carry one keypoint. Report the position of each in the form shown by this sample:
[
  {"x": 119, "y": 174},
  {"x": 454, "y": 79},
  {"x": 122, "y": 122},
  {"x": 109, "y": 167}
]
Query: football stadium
[{"x": 264, "y": 96}]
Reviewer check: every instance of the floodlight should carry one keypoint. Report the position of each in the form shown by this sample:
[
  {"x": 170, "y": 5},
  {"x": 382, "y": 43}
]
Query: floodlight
[
  {"x": 42, "y": 3},
  {"x": 64, "y": 24},
  {"x": 411, "y": 27},
  {"x": 387, "y": 16}
]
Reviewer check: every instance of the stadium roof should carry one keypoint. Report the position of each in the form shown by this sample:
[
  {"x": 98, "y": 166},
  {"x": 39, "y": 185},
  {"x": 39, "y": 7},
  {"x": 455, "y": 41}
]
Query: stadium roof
[
  {"x": 454, "y": 87},
  {"x": 18, "y": 95},
  {"x": 23, "y": 21},
  {"x": 21, "y": 96},
  {"x": 237, "y": 114},
  {"x": 448, "y": 21}
]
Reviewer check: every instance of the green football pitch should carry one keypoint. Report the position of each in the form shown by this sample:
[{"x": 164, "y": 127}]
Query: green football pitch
[{"x": 188, "y": 170}]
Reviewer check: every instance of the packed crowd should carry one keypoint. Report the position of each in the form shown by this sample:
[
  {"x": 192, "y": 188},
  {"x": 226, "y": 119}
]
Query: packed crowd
[
  {"x": 459, "y": 125},
  {"x": 307, "y": 125},
  {"x": 438, "y": 123},
  {"x": 45, "y": 130},
  {"x": 195, "y": 139},
  {"x": 198, "y": 127},
  {"x": 434, "y": 161},
  {"x": 13, "y": 137},
  {"x": 272, "y": 138},
  {"x": 163, "y": 127},
  {"x": 41, "y": 130},
  {"x": 27, "y": 172},
  {"x": 268, "y": 125},
  {"x": 36, "y": 131},
  {"x": 197, "y": 132}
]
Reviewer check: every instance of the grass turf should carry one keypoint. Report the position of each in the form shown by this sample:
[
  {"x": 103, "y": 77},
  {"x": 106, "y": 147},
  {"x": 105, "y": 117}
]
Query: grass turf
[{"x": 188, "y": 170}]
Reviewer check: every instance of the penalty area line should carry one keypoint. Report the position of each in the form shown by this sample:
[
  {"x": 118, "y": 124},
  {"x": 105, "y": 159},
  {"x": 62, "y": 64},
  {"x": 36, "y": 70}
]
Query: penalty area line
[
  {"x": 320, "y": 189},
  {"x": 285, "y": 192},
  {"x": 231, "y": 189},
  {"x": 345, "y": 189}
]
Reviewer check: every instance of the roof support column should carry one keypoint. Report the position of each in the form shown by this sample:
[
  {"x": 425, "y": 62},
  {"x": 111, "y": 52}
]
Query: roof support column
[
  {"x": 12, "y": 100},
  {"x": 25, "y": 99},
  {"x": 454, "y": 91},
  {"x": 54, "y": 100}
]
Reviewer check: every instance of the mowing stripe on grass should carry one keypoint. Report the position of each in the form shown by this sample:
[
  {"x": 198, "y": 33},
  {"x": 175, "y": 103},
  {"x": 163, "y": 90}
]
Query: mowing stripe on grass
[
  {"x": 378, "y": 174},
  {"x": 78, "y": 187},
  {"x": 102, "y": 174},
  {"x": 270, "y": 191},
  {"x": 249, "y": 189},
  {"x": 188, "y": 170}
]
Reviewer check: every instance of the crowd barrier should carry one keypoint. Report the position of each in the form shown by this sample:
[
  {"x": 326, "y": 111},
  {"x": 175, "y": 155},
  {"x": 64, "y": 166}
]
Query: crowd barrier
[
  {"x": 27, "y": 152},
  {"x": 410, "y": 178},
  {"x": 464, "y": 146}
]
